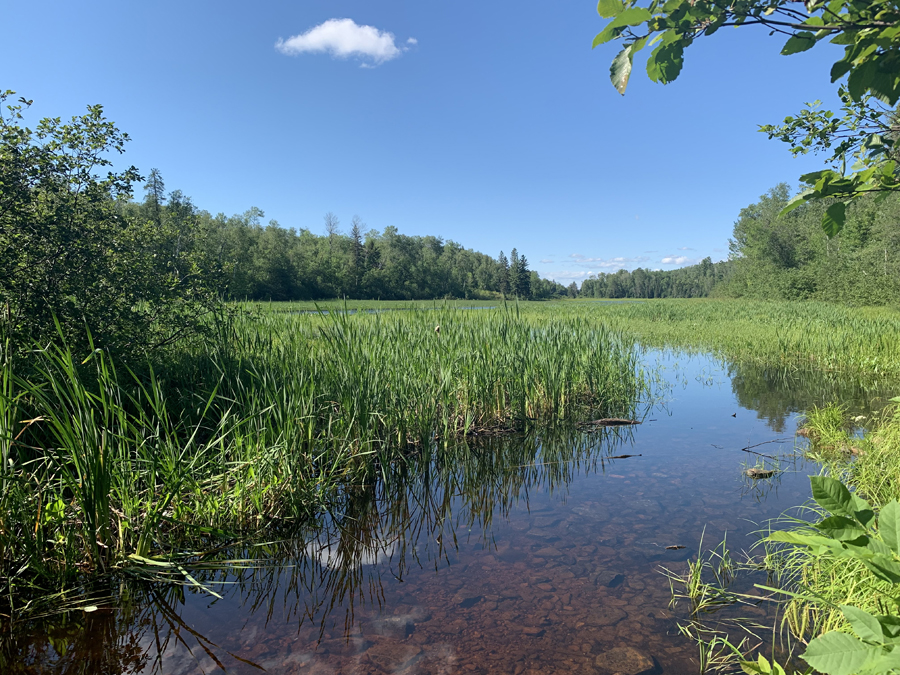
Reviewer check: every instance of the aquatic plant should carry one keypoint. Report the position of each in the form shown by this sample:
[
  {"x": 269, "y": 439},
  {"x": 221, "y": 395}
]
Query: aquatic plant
[{"x": 277, "y": 419}]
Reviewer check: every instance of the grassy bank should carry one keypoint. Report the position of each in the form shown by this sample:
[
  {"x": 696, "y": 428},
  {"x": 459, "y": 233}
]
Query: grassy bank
[
  {"x": 869, "y": 465},
  {"x": 857, "y": 341},
  {"x": 279, "y": 417}
]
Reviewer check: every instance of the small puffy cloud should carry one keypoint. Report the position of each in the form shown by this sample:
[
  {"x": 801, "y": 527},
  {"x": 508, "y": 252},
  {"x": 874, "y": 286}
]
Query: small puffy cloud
[
  {"x": 412, "y": 41},
  {"x": 679, "y": 260},
  {"x": 546, "y": 261},
  {"x": 685, "y": 248},
  {"x": 344, "y": 38}
]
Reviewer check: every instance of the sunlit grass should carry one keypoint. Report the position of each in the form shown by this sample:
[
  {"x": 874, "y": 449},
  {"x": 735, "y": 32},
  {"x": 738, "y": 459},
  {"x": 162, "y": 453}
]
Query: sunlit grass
[{"x": 279, "y": 417}]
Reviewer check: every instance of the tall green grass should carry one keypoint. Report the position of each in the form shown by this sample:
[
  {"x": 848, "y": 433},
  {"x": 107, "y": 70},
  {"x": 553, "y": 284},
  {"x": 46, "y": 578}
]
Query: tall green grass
[
  {"x": 276, "y": 419},
  {"x": 857, "y": 341}
]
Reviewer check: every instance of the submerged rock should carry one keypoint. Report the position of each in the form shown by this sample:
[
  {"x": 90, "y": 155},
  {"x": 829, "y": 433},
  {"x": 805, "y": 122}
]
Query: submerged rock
[
  {"x": 391, "y": 657},
  {"x": 625, "y": 661}
]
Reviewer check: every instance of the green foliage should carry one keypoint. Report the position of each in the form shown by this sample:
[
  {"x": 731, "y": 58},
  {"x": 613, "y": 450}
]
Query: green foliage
[
  {"x": 863, "y": 136},
  {"x": 694, "y": 281},
  {"x": 276, "y": 263},
  {"x": 69, "y": 258},
  {"x": 854, "y": 533}
]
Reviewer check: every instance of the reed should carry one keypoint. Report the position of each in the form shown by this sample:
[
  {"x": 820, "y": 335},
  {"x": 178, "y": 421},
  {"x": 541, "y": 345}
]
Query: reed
[{"x": 276, "y": 419}]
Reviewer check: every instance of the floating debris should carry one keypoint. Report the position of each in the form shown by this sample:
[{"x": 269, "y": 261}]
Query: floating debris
[{"x": 759, "y": 473}]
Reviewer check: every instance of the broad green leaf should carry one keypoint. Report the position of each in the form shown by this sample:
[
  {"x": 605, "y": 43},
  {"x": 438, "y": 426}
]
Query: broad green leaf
[
  {"x": 890, "y": 627},
  {"x": 810, "y": 179},
  {"x": 832, "y": 495},
  {"x": 789, "y": 537},
  {"x": 864, "y": 624},
  {"x": 797, "y": 201},
  {"x": 841, "y": 528},
  {"x": 611, "y": 32},
  {"x": 620, "y": 70},
  {"x": 799, "y": 43},
  {"x": 633, "y": 16},
  {"x": 838, "y": 654},
  {"x": 609, "y": 8},
  {"x": 665, "y": 62},
  {"x": 889, "y": 525},
  {"x": 863, "y": 509},
  {"x": 844, "y": 38},
  {"x": 833, "y": 221},
  {"x": 884, "y": 568},
  {"x": 839, "y": 69},
  {"x": 884, "y": 663}
]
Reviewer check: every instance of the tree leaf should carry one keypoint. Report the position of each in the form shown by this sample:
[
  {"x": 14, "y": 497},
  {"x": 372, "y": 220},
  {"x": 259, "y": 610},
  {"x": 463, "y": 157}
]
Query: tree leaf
[
  {"x": 799, "y": 43},
  {"x": 665, "y": 62},
  {"x": 833, "y": 221},
  {"x": 796, "y": 202},
  {"x": 620, "y": 70},
  {"x": 841, "y": 528},
  {"x": 609, "y": 8},
  {"x": 611, "y": 32},
  {"x": 633, "y": 16},
  {"x": 864, "y": 624},
  {"x": 838, "y": 654},
  {"x": 798, "y": 539},
  {"x": 832, "y": 495},
  {"x": 889, "y": 525}
]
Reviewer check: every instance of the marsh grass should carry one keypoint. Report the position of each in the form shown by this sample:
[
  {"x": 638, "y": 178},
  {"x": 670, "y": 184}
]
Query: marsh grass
[
  {"x": 862, "y": 342},
  {"x": 279, "y": 418}
]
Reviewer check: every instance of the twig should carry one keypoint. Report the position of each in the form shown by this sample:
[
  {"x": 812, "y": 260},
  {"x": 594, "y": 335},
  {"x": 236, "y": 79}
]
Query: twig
[{"x": 777, "y": 440}]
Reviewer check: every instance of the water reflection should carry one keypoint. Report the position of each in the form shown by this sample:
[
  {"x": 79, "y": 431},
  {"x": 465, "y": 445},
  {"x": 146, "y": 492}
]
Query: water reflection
[
  {"x": 777, "y": 393},
  {"x": 416, "y": 517},
  {"x": 514, "y": 554}
]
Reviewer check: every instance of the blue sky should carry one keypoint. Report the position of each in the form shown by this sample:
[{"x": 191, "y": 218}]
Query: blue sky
[{"x": 495, "y": 126}]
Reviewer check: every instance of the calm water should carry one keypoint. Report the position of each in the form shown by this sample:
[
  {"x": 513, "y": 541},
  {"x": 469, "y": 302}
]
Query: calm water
[{"x": 531, "y": 554}]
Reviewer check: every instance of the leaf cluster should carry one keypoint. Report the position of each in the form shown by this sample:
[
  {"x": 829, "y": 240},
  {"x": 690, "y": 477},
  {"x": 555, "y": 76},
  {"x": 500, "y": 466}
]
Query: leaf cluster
[
  {"x": 853, "y": 531},
  {"x": 870, "y": 34},
  {"x": 72, "y": 261}
]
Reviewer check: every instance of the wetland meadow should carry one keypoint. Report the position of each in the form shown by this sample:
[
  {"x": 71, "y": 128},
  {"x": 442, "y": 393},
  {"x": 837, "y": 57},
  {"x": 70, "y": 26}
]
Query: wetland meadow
[{"x": 426, "y": 487}]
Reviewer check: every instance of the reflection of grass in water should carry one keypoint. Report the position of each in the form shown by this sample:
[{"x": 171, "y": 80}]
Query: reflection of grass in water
[{"x": 333, "y": 567}]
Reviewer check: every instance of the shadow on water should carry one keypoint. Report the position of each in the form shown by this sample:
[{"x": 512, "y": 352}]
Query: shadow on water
[{"x": 512, "y": 554}]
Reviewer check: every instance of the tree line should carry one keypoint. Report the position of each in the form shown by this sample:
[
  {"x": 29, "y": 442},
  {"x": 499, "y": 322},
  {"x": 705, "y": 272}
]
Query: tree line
[
  {"x": 270, "y": 262},
  {"x": 785, "y": 256},
  {"x": 83, "y": 260}
]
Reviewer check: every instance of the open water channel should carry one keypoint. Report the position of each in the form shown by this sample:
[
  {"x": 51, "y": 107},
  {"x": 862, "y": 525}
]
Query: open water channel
[{"x": 517, "y": 554}]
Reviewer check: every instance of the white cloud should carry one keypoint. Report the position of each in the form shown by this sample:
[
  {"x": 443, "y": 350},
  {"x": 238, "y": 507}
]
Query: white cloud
[
  {"x": 412, "y": 41},
  {"x": 679, "y": 260},
  {"x": 546, "y": 261},
  {"x": 343, "y": 38},
  {"x": 568, "y": 274},
  {"x": 685, "y": 248},
  {"x": 607, "y": 263}
]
